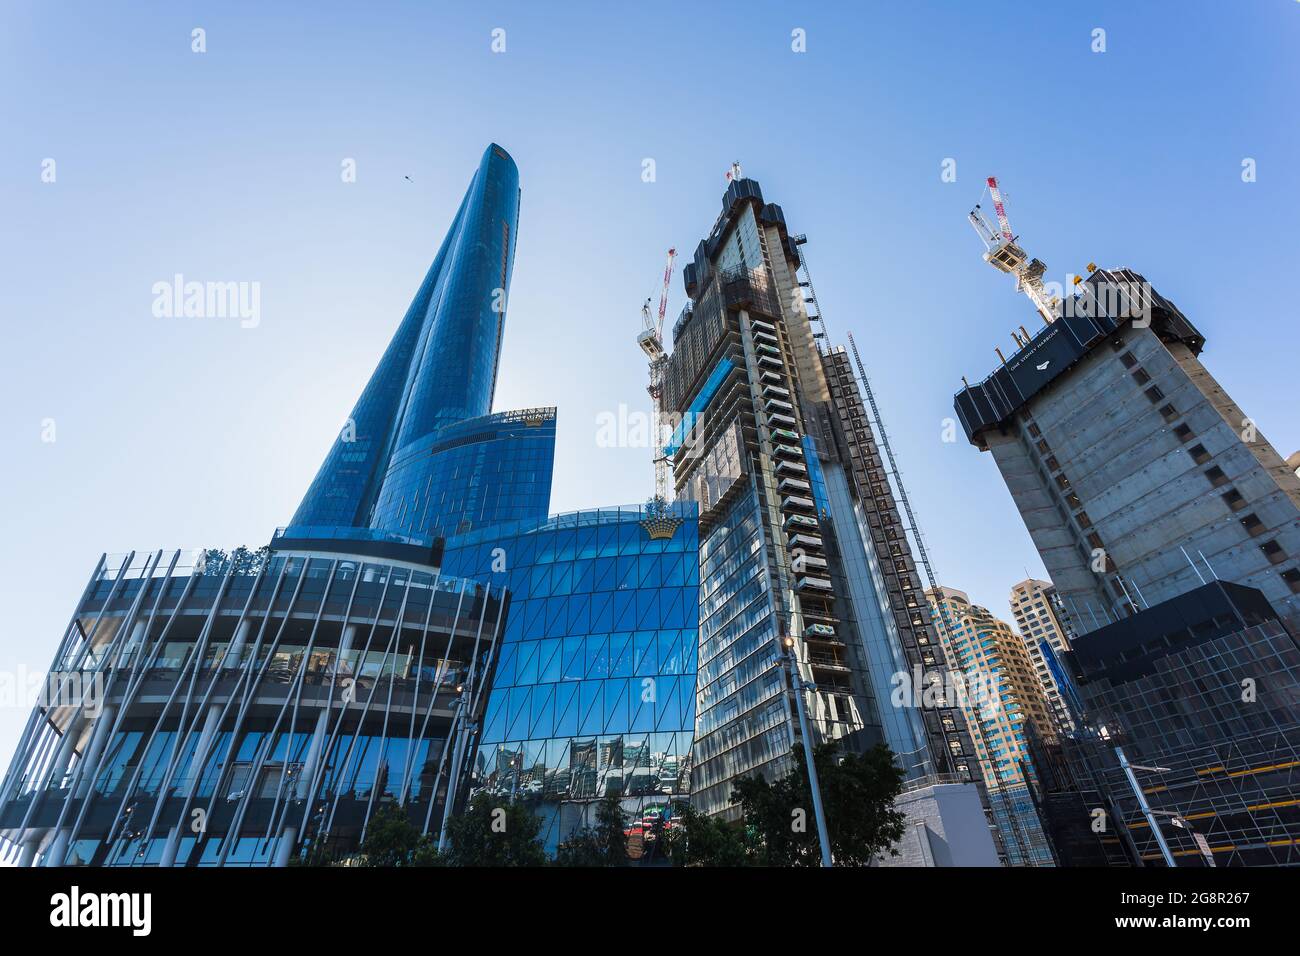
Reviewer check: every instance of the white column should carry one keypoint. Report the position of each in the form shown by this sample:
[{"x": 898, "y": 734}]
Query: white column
[
  {"x": 171, "y": 846},
  {"x": 236, "y": 649},
  {"x": 302, "y": 789},
  {"x": 98, "y": 738},
  {"x": 284, "y": 849},
  {"x": 63, "y": 759},
  {"x": 345, "y": 645},
  {"x": 202, "y": 748},
  {"x": 31, "y": 844},
  {"x": 133, "y": 643},
  {"x": 54, "y": 855}
]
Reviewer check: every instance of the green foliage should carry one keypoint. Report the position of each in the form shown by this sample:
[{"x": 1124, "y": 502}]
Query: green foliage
[
  {"x": 393, "y": 840},
  {"x": 699, "y": 840},
  {"x": 858, "y": 793},
  {"x": 604, "y": 844},
  {"x": 317, "y": 854},
  {"x": 240, "y": 561},
  {"x": 491, "y": 833}
]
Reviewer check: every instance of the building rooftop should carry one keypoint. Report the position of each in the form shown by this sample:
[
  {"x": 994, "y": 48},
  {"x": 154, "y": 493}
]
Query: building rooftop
[{"x": 1106, "y": 300}]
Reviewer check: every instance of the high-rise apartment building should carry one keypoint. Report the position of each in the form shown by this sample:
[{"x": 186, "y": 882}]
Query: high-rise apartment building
[
  {"x": 1040, "y": 623},
  {"x": 1136, "y": 474},
  {"x": 1003, "y": 690},
  {"x": 1000, "y": 696},
  {"x": 800, "y": 535},
  {"x": 420, "y": 632}
]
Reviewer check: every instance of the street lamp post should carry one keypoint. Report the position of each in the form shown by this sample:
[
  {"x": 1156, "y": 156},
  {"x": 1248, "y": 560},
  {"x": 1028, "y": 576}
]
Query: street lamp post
[{"x": 796, "y": 682}]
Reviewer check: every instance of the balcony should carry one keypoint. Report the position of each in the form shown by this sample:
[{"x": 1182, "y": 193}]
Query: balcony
[
  {"x": 796, "y": 503},
  {"x": 827, "y": 662},
  {"x": 800, "y": 521},
  {"x": 810, "y": 583}
]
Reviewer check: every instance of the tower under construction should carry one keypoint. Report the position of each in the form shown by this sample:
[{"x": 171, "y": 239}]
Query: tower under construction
[
  {"x": 1170, "y": 528},
  {"x": 801, "y": 535}
]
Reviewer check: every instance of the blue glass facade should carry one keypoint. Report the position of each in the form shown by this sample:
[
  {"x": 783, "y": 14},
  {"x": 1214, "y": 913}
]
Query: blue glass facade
[
  {"x": 559, "y": 671},
  {"x": 440, "y": 368},
  {"x": 470, "y": 475},
  {"x": 594, "y": 689},
  {"x": 1017, "y": 819},
  {"x": 744, "y": 716}
]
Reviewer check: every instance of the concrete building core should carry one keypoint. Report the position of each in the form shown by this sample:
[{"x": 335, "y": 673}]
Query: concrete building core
[{"x": 1136, "y": 474}]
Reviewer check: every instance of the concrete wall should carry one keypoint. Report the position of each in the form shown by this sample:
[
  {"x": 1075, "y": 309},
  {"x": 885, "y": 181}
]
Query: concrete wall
[
  {"x": 1141, "y": 488},
  {"x": 946, "y": 826}
]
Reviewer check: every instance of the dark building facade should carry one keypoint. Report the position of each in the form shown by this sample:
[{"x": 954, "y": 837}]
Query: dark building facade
[
  {"x": 215, "y": 712},
  {"x": 1205, "y": 687}
]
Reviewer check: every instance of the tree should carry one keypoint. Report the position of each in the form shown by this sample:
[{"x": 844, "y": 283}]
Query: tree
[
  {"x": 699, "y": 840},
  {"x": 316, "y": 854},
  {"x": 393, "y": 840},
  {"x": 487, "y": 833},
  {"x": 604, "y": 844},
  {"x": 858, "y": 793}
]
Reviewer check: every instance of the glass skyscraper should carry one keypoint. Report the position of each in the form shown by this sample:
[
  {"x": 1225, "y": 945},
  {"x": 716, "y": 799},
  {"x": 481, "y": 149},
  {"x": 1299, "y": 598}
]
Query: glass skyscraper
[
  {"x": 420, "y": 631},
  {"x": 439, "y": 370}
]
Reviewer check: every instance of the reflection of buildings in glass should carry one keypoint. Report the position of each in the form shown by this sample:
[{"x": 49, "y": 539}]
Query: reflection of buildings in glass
[{"x": 596, "y": 676}]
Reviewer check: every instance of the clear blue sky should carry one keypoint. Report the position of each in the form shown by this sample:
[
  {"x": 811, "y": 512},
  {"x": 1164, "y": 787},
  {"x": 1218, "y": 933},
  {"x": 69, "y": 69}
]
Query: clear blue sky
[{"x": 226, "y": 166}]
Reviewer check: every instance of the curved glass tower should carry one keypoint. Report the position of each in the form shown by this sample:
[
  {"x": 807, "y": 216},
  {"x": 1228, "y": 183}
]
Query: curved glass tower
[
  {"x": 473, "y": 474},
  {"x": 439, "y": 370},
  {"x": 421, "y": 633}
]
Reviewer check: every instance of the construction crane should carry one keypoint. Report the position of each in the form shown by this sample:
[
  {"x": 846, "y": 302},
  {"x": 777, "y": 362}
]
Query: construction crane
[
  {"x": 651, "y": 341},
  {"x": 1003, "y": 254}
]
